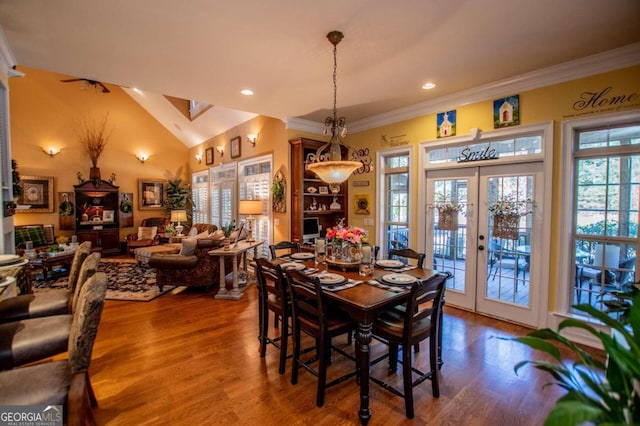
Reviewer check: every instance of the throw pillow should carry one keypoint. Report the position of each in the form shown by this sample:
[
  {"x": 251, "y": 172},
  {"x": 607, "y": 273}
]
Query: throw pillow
[
  {"x": 217, "y": 235},
  {"x": 188, "y": 246},
  {"x": 147, "y": 232},
  {"x": 242, "y": 236},
  {"x": 34, "y": 234},
  {"x": 193, "y": 231}
]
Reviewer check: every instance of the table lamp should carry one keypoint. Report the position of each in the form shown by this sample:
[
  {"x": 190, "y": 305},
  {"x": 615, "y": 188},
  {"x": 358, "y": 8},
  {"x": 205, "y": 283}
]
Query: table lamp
[
  {"x": 179, "y": 216},
  {"x": 249, "y": 208}
]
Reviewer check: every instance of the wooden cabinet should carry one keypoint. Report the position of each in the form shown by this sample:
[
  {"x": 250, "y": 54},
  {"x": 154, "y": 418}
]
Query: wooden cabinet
[
  {"x": 311, "y": 197},
  {"x": 97, "y": 218}
]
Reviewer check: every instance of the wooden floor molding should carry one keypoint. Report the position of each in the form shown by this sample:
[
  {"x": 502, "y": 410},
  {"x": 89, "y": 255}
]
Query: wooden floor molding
[{"x": 188, "y": 359}]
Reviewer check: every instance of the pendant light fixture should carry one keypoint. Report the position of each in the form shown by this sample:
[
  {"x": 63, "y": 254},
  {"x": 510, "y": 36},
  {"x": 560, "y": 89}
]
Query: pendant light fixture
[{"x": 327, "y": 161}]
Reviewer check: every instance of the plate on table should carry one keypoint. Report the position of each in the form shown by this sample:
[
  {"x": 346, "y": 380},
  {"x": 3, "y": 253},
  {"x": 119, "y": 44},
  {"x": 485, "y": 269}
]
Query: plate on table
[
  {"x": 292, "y": 266},
  {"x": 389, "y": 263},
  {"x": 398, "y": 279},
  {"x": 329, "y": 278},
  {"x": 8, "y": 258},
  {"x": 302, "y": 256}
]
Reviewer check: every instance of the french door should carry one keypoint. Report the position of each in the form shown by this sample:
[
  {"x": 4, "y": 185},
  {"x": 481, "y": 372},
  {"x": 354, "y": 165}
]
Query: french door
[{"x": 495, "y": 268}]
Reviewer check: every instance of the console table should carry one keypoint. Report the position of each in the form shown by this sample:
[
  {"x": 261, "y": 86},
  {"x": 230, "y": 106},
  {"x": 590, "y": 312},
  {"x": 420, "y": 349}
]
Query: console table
[{"x": 240, "y": 248}]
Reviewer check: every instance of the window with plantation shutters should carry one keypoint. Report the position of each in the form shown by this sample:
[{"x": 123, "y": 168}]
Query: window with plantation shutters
[
  {"x": 200, "y": 196},
  {"x": 254, "y": 181},
  {"x": 222, "y": 194}
]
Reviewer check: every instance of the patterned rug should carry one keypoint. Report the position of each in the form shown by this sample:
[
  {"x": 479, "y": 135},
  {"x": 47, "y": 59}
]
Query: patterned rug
[{"x": 127, "y": 281}]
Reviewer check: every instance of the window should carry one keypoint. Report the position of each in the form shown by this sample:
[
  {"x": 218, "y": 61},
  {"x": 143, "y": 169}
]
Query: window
[
  {"x": 395, "y": 171},
  {"x": 254, "y": 181},
  {"x": 200, "y": 196},
  {"x": 223, "y": 194},
  {"x": 606, "y": 192}
]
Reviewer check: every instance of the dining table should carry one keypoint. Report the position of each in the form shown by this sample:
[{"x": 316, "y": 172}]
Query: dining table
[{"x": 364, "y": 298}]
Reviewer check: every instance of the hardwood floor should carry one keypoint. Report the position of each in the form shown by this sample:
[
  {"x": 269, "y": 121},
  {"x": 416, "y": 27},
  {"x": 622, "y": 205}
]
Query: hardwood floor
[{"x": 188, "y": 359}]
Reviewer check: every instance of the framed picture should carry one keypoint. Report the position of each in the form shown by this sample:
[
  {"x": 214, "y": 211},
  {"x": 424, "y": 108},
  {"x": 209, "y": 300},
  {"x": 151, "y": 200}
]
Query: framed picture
[
  {"x": 446, "y": 124},
  {"x": 208, "y": 154},
  {"x": 108, "y": 215},
  {"x": 37, "y": 194},
  {"x": 361, "y": 204},
  {"x": 506, "y": 112},
  {"x": 235, "y": 147},
  {"x": 323, "y": 190},
  {"x": 151, "y": 194}
]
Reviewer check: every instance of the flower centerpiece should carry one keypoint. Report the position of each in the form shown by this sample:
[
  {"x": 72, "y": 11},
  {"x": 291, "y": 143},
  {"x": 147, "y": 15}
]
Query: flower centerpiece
[
  {"x": 346, "y": 241},
  {"x": 447, "y": 212},
  {"x": 506, "y": 213}
]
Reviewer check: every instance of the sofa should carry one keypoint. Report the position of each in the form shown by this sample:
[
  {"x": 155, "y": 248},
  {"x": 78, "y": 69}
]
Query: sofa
[
  {"x": 193, "y": 270},
  {"x": 42, "y": 237}
]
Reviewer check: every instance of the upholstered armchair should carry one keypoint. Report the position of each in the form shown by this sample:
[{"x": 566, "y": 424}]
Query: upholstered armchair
[
  {"x": 147, "y": 235},
  {"x": 193, "y": 269}
]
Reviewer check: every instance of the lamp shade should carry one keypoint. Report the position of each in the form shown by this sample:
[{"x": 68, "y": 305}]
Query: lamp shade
[
  {"x": 334, "y": 172},
  {"x": 178, "y": 215},
  {"x": 250, "y": 207}
]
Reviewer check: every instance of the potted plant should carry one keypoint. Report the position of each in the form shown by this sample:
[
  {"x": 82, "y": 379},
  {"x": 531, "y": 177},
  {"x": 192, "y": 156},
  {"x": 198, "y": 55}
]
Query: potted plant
[
  {"x": 597, "y": 392},
  {"x": 227, "y": 230},
  {"x": 278, "y": 195},
  {"x": 169, "y": 230},
  {"x": 94, "y": 138},
  {"x": 506, "y": 213}
]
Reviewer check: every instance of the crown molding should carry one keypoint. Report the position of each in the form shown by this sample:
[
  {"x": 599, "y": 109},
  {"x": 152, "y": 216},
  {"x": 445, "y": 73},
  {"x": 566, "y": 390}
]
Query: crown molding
[
  {"x": 591, "y": 65},
  {"x": 304, "y": 125}
]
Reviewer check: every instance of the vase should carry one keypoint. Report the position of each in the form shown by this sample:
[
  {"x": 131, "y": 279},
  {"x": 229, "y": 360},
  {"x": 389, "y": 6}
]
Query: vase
[
  {"x": 94, "y": 174},
  {"x": 227, "y": 243},
  {"x": 350, "y": 252},
  {"x": 506, "y": 226},
  {"x": 447, "y": 220}
]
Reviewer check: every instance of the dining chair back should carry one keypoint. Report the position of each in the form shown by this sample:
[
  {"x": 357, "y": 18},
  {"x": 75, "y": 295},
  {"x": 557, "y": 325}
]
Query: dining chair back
[
  {"x": 310, "y": 314},
  {"x": 406, "y": 254},
  {"x": 289, "y": 246},
  {"x": 272, "y": 297},
  {"x": 48, "y": 303},
  {"x": 64, "y": 382},
  {"x": 421, "y": 319}
]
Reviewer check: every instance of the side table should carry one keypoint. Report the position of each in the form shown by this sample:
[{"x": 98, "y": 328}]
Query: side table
[{"x": 240, "y": 248}]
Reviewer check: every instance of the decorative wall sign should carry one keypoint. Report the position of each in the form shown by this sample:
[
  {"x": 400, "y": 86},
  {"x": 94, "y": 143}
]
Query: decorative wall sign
[
  {"x": 487, "y": 153},
  {"x": 602, "y": 100},
  {"x": 37, "y": 194},
  {"x": 66, "y": 210},
  {"x": 361, "y": 183},
  {"x": 446, "y": 124},
  {"x": 506, "y": 112}
]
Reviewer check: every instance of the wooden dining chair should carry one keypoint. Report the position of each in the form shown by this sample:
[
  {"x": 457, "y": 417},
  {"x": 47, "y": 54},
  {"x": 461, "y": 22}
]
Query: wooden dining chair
[
  {"x": 272, "y": 297},
  {"x": 289, "y": 246},
  {"x": 408, "y": 253},
  {"x": 310, "y": 314},
  {"x": 420, "y": 320}
]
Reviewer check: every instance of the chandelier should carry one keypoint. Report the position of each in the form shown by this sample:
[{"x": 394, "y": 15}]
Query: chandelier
[{"x": 327, "y": 161}]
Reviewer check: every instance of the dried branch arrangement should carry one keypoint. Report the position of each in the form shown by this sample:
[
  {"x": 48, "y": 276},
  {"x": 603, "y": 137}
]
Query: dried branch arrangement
[{"x": 94, "y": 137}]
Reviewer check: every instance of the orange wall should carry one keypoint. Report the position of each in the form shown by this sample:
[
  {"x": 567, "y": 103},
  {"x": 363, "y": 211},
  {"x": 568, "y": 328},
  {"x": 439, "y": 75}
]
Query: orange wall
[{"x": 44, "y": 112}]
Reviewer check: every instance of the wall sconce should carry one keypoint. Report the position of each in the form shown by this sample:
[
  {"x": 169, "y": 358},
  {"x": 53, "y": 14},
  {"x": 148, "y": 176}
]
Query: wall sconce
[
  {"x": 52, "y": 152},
  {"x": 252, "y": 138},
  {"x": 199, "y": 158},
  {"x": 220, "y": 150},
  {"x": 142, "y": 157}
]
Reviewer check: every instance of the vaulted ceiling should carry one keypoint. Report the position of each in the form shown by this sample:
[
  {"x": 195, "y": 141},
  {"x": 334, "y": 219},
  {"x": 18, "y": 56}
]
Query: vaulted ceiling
[{"x": 210, "y": 50}]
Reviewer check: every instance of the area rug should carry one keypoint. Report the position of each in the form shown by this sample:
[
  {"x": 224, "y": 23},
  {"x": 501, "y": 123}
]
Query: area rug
[{"x": 127, "y": 281}]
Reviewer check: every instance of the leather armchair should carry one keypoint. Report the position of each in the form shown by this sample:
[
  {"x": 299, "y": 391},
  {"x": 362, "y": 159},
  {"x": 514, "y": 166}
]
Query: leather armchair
[
  {"x": 132, "y": 239},
  {"x": 197, "y": 270}
]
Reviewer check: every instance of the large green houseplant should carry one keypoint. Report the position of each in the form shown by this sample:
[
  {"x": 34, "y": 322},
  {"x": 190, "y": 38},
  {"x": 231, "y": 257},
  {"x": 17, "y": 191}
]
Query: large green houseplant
[{"x": 597, "y": 392}]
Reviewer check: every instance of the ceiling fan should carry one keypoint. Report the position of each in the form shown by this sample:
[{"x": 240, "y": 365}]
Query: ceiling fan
[{"x": 86, "y": 83}]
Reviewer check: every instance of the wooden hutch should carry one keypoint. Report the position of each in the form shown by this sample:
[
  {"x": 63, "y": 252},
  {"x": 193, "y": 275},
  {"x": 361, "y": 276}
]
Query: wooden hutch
[
  {"x": 97, "y": 218},
  {"x": 307, "y": 188}
]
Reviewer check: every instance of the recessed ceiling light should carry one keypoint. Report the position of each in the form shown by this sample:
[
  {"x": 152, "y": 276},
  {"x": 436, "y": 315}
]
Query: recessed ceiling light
[
  {"x": 135, "y": 89},
  {"x": 247, "y": 92},
  {"x": 428, "y": 86}
]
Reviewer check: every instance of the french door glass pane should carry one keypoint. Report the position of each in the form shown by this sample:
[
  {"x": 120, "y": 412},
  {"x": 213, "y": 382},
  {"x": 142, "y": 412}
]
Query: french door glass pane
[{"x": 509, "y": 254}]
